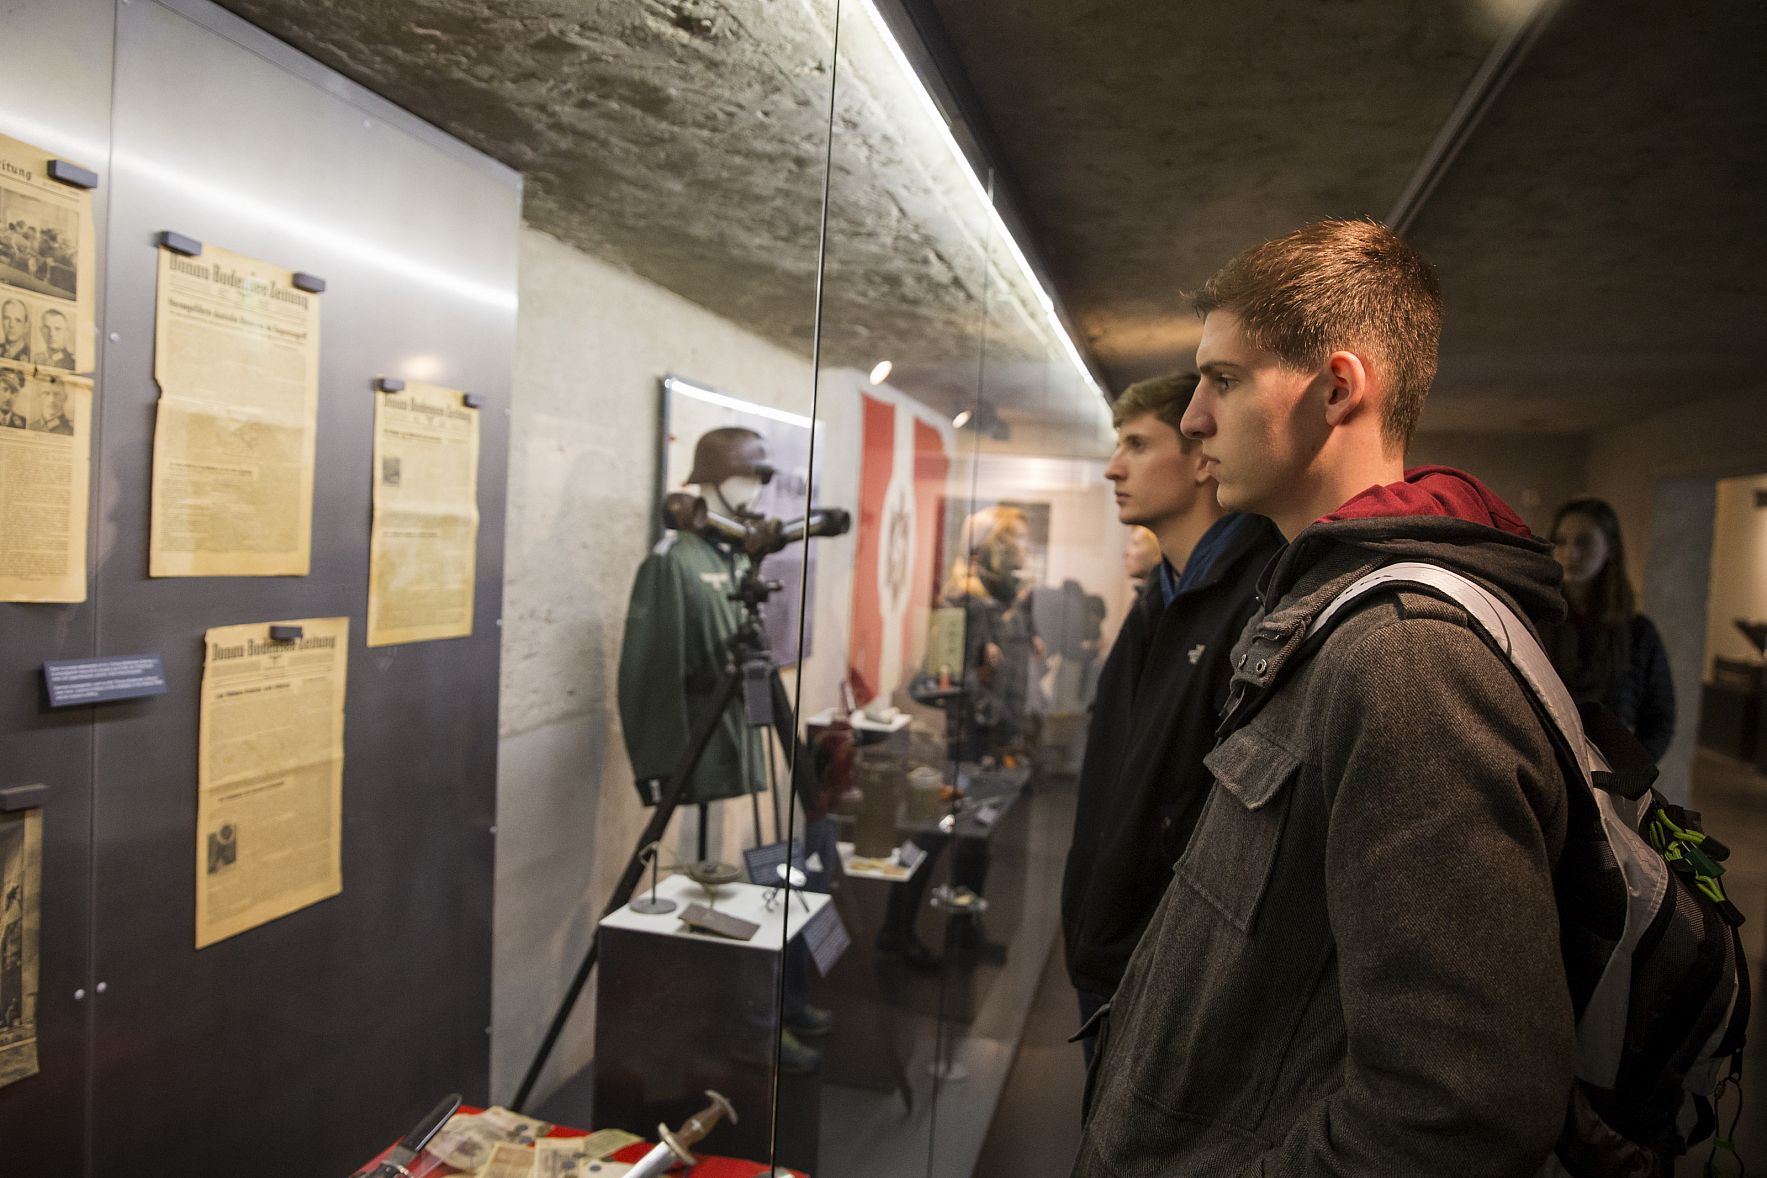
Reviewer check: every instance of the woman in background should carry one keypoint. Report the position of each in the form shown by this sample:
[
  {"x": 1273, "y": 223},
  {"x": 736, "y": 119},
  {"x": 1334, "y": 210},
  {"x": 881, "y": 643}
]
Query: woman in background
[{"x": 1606, "y": 651}]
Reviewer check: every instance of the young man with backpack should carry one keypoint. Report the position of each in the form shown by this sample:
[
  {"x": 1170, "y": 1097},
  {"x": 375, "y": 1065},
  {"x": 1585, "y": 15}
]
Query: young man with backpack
[{"x": 1356, "y": 968}]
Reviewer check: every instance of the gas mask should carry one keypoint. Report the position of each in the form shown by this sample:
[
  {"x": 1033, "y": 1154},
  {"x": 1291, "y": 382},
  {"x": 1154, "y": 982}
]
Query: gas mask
[{"x": 739, "y": 493}]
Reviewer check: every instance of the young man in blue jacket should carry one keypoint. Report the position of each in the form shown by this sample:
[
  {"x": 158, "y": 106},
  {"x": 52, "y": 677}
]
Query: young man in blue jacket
[{"x": 1142, "y": 782}]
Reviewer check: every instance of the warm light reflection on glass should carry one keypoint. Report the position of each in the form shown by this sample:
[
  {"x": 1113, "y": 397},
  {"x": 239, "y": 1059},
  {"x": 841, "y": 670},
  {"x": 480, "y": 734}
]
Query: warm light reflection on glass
[
  {"x": 943, "y": 131},
  {"x": 421, "y": 367},
  {"x": 698, "y": 393}
]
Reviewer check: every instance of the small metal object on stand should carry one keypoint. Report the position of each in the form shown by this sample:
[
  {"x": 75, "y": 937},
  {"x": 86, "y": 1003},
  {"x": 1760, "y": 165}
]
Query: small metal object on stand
[
  {"x": 958, "y": 901},
  {"x": 652, "y": 905},
  {"x": 787, "y": 875}
]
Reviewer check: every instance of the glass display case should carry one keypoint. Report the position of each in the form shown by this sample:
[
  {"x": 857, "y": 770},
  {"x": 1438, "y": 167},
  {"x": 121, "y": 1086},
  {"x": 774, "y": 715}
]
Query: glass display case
[{"x": 935, "y": 657}]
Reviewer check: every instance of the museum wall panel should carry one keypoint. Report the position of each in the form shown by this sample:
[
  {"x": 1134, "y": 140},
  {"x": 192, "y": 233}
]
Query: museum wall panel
[
  {"x": 63, "y": 107},
  {"x": 198, "y": 1057}
]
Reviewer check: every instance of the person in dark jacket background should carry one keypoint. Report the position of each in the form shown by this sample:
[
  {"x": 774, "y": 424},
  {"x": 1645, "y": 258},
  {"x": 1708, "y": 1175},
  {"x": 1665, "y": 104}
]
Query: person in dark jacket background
[
  {"x": 1142, "y": 781},
  {"x": 1606, "y": 651}
]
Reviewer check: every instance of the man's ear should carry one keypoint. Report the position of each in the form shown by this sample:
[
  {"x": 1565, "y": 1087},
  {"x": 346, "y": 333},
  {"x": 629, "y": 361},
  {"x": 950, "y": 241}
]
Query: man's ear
[{"x": 1348, "y": 389}]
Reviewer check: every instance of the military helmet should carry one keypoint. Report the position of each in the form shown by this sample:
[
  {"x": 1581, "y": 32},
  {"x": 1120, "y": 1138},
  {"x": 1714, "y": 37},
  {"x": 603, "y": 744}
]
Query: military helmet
[{"x": 728, "y": 452}]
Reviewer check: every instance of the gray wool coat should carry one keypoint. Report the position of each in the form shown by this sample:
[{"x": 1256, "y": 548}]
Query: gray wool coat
[{"x": 1355, "y": 968}]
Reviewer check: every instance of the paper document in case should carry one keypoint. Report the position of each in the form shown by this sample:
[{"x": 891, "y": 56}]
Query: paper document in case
[
  {"x": 270, "y": 771},
  {"x": 45, "y": 480},
  {"x": 21, "y": 887},
  {"x": 47, "y": 264},
  {"x": 508, "y": 1161},
  {"x": 424, "y": 544},
  {"x": 236, "y": 355}
]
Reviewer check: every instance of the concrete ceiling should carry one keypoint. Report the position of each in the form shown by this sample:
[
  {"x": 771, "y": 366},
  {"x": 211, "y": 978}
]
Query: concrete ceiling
[
  {"x": 688, "y": 141},
  {"x": 1598, "y": 237}
]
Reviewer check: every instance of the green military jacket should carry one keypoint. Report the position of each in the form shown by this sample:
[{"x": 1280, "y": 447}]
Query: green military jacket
[{"x": 679, "y": 625}]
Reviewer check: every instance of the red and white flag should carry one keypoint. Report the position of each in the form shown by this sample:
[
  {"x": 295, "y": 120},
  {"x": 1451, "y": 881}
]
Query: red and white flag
[{"x": 903, "y": 467}]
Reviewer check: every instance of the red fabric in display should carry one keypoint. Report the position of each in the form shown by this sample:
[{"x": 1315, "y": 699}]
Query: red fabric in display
[{"x": 709, "y": 1167}]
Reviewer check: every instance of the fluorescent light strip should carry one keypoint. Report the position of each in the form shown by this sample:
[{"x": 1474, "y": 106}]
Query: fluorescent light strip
[
  {"x": 687, "y": 389},
  {"x": 1024, "y": 264},
  {"x": 269, "y": 215}
]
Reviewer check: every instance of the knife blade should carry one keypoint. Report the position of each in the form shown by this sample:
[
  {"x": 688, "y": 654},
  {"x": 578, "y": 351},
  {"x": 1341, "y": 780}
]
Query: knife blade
[{"x": 413, "y": 1142}]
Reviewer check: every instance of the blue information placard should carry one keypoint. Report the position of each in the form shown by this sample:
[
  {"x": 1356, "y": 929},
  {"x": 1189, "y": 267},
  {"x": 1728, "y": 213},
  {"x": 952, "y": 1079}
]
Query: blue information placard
[
  {"x": 101, "y": 680},
  {"x": 763, "y": 862}
]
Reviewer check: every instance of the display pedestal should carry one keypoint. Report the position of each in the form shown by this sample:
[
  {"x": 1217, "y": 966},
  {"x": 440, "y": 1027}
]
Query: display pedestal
[
  {"x": 678, "y": 1012},
  {"x": 993, "y": 825}
]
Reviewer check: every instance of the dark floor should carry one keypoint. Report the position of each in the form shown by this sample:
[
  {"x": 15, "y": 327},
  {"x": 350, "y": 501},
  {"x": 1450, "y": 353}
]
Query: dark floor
[{"x": 1036, "y": 1126}]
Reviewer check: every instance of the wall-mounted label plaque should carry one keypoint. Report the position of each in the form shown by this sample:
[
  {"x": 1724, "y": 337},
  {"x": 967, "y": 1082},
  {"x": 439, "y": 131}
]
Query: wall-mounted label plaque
[{"x": 101, "y": 680}]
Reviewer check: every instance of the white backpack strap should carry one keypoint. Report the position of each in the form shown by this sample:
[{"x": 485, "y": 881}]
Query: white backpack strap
[
  {"x": 1601, "y": 1030},
  {"x": 1507, "y": 632}
]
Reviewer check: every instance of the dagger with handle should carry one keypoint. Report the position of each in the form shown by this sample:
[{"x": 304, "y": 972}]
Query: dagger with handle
[
  {"x": 675, "y": 1148},
  {"x": 413, "y": 1142}
]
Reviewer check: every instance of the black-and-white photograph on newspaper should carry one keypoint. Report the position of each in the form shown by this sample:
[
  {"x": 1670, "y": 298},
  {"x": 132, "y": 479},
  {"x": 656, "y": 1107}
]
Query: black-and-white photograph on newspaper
[{"x": 21, "y": 879}]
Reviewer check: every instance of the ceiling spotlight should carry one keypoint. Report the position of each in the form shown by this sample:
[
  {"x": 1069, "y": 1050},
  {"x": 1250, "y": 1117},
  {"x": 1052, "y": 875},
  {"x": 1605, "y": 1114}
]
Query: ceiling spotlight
[
  {"x": 881, "y": 371},
  {"x": 984, "y": 420}
]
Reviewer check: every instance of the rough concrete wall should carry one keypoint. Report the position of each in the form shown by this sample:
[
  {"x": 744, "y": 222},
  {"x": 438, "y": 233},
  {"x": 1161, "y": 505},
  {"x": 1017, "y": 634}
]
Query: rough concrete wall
[
  {"x": 1717, "y": 437},
  {"x": 1676, "y": 583},
  {"x": 592, "y": 344},
  {"x": 688, "y": 141},
  {"x": 1739, "y": 569}
]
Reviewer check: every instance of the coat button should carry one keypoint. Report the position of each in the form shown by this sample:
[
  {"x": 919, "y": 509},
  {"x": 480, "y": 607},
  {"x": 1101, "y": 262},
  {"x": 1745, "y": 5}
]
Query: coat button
[{"x": 1262, "y": 665}]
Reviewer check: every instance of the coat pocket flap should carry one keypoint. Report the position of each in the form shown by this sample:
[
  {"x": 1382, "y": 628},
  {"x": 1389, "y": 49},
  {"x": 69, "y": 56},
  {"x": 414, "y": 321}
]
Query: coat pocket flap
[{"x": 1251, "y": 767}]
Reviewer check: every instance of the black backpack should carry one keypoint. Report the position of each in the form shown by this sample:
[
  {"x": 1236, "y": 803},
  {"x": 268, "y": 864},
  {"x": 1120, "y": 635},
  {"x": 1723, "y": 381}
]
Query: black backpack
[{"x": 1656, "y": 969}]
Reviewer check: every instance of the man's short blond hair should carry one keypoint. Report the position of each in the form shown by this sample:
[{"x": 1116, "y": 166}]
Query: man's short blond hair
[
  {"x": 1166, "y": 397},
  {"x": 1340, "y": 284}
]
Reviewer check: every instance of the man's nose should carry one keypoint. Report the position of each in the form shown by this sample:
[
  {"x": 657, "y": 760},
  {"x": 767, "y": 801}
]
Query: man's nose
[{"x": 1197, "y": 422}]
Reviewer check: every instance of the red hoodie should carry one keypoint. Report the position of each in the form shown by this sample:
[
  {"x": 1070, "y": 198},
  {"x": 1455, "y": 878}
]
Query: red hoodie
[{"x": 1435, "y": 490}]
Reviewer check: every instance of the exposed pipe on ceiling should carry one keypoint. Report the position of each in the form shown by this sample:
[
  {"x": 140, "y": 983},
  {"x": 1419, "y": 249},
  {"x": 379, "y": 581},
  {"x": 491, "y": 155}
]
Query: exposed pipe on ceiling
[{"x": 1481, "y": 93}]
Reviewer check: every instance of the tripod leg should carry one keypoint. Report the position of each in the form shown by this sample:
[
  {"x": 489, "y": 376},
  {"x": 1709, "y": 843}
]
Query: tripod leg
[
  {"x": 628, "y": 882},
  {"x": 800, "y": 770},
  {"x": 755, "y": 807},
  {"x": 773, "y": 789}
]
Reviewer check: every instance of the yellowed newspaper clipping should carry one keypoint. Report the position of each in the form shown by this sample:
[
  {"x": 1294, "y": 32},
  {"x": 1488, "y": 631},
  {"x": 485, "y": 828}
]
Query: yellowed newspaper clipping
[
  {"x": 423, "y": 551},
  {"x": 45, "y": 476},
  {"x": 236, "y": 354},
  {"x": 21, "y": 887},
  {"x": 270, "y": 774},
  {"x": 47, "y": 269}
]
